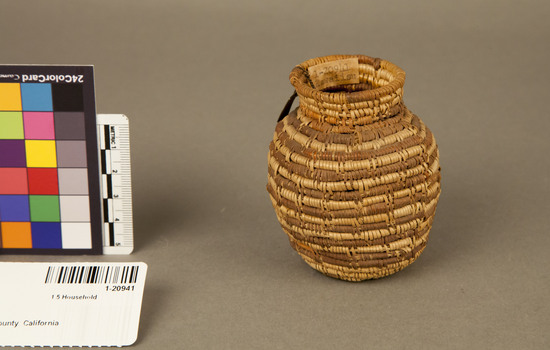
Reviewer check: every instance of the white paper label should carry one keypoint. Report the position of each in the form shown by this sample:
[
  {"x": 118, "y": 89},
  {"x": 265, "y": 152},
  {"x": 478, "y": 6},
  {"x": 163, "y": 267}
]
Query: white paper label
[
  {"x": 70, "y": 304},
  {"x": 334, "y": 73}
]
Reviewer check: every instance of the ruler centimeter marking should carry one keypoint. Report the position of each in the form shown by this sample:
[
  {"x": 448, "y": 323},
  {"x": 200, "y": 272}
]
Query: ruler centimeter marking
[{"x": 116, "y": 185}]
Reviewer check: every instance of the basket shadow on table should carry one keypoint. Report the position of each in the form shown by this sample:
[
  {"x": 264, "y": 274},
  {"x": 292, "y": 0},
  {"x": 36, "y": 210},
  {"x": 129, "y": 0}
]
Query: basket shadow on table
[{"x": 458, "y": 232}]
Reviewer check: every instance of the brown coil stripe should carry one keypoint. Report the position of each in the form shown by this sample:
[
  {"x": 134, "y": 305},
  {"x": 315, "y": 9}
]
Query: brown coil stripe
[
  {"x": 359, "y": 260},
  {"x": 360, "y": 210},
  {"x": 352, "y": 241},
  {"x": 411, "y": 183}
]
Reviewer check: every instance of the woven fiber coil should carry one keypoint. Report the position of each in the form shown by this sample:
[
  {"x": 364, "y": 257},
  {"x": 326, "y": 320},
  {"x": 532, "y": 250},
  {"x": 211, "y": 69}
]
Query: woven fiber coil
[{"x": 353, "y": 175}]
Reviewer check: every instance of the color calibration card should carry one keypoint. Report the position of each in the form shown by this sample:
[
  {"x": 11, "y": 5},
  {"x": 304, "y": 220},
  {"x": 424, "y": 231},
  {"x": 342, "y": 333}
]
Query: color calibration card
[{"x": 49, "y": 182}]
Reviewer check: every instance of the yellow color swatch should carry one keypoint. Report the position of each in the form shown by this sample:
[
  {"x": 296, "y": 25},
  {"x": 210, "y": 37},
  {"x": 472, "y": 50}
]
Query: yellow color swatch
[
  {"x": 16, "y": 235},
  {"x": 10, "y": 97},
  {"x": 40, "y": 154}
]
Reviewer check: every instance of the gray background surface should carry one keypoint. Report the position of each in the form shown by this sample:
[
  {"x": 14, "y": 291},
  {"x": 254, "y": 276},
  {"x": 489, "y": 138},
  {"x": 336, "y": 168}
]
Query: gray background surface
[{"x": 203, "y": 83}]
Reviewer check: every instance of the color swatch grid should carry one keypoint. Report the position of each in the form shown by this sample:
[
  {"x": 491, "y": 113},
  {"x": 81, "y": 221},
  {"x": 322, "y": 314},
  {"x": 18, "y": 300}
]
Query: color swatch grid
[{"x": 44, "y": 191}]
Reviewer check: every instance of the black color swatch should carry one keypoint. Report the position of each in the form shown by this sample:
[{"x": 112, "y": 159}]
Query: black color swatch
[{"x": 67, "y": 97}]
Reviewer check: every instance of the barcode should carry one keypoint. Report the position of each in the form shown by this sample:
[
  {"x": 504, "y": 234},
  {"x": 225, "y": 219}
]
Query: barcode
[{"x": 91, "y": 274}]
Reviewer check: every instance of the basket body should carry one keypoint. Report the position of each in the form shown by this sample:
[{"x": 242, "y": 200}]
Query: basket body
[{"x": 353, "y": 175}]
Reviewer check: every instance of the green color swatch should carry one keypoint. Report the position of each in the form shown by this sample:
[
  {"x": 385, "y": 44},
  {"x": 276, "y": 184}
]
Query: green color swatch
[
  {"x": 11, "y": 125},
  {"x": 44, "y": 208}
]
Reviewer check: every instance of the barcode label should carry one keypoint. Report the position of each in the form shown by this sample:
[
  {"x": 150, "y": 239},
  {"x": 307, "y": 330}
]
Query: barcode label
[
  {"x": 92, "y": 274},
  {"x": 59, "y": 304}
]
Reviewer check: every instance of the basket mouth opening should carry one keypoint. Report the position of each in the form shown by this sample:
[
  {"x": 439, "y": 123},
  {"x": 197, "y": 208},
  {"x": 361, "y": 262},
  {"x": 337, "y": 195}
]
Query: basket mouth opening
[
  {"x": 377, "y": 78},
  {"x": 349, "y": 88}
]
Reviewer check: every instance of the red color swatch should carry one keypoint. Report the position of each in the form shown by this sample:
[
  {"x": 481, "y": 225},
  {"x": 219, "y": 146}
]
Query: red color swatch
[
  {"x": 13, "y": 181},
  {"x": 43, "y": 181}
]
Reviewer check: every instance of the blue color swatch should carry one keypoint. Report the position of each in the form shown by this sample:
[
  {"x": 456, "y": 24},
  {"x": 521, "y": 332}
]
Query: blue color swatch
[
  {"x": 46, "y": 235},
  {"x": 36, "y": 97},
  {"x": 14, "y": 208}
]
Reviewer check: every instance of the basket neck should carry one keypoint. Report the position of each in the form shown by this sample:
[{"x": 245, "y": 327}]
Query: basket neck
[{"x": 377, "y": 95}]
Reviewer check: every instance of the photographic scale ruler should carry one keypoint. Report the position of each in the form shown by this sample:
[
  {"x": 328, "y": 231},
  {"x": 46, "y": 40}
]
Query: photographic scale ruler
[{"x": 116, "y": 185}]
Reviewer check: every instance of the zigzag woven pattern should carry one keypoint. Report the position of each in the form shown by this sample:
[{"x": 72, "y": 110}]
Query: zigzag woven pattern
[{"x": 353, "y": 175}]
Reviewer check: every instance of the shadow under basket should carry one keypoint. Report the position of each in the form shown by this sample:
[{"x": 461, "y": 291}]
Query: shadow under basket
[{"x": 353, "y": 175}]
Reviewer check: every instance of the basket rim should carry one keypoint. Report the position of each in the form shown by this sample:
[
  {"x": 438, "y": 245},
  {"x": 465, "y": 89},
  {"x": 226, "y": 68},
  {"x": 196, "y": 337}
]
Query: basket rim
[{"x": 299, "y": 80}]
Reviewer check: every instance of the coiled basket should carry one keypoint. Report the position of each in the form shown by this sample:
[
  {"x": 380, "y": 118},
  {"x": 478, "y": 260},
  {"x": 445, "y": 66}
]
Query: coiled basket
[{"x": 353, "y": 175}]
